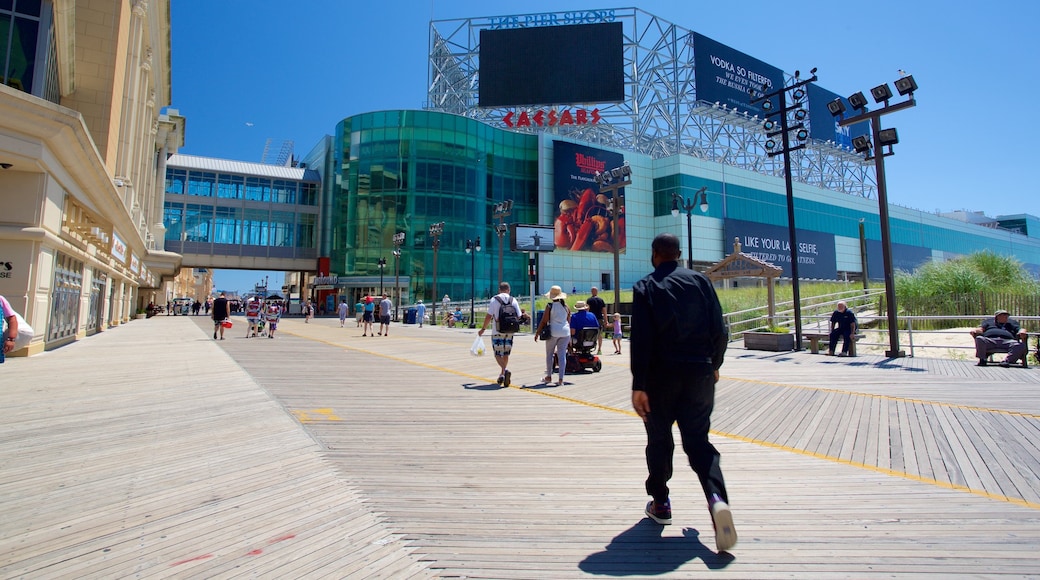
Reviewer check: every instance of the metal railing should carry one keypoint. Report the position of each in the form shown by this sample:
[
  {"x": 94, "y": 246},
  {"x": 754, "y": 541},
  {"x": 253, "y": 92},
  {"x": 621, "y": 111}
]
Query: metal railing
[{"x": 908, "y": 332}]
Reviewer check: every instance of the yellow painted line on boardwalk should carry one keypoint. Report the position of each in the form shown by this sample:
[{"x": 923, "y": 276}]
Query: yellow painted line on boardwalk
[{"x": 759, "y": 442}]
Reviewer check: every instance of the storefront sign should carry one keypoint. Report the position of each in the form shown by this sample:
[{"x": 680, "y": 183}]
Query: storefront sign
[
  {"x": 118, "y": 248},
  {"x": 329, "y": 281},
  {"x": 552, "y": 118},
  {"x": 5, "y": 269}
]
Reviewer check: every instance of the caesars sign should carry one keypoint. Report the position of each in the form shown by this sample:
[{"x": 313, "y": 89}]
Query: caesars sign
[{"x": 581, "y": 218}]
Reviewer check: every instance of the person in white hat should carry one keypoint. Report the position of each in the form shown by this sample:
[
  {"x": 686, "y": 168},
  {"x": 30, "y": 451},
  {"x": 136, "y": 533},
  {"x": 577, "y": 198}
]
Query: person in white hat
[{"x": 556, "y": 317}]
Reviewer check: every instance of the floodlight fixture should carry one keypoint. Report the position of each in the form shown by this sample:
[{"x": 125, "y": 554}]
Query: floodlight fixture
[
  {"x": 770, "y": 144},
  {"x": 769, "y": 125},
  {"x": 888, "y": 136},
  {"x": 881, "y": 93},
  {"x": 858, "y": 101},
  {"x": 802, "y": 134},
  {"x": 861, "y": 144},
  {"x": 906, "y": 85},
  {"x": 798, "y": 94},
  {"x": 836, "y": 107},
  {"x": 767, "y": 105},
  {"x": 800, "y": 114}
]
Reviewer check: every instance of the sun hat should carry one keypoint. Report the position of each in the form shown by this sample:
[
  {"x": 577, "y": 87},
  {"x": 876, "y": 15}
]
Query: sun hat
[
  {"x": 555, "y": 293},
  {"x": 999, "y": 312},
  {"x": 581, "y": 305}
]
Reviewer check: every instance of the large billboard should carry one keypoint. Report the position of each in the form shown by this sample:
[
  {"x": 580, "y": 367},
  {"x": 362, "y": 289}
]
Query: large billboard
[
  {"x": 904, "y": 257},
  {"x": 725, "y": 75},
  {"x": 550, "y": 65},
  {"x": 816, "y": 255},
  {"x": 823, "y": 126},
  {"x": 581, "y": 219}
]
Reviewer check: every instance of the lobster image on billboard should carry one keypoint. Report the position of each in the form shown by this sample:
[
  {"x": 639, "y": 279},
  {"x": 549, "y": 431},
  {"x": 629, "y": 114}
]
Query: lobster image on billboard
[{"x": 581, "y": 214}]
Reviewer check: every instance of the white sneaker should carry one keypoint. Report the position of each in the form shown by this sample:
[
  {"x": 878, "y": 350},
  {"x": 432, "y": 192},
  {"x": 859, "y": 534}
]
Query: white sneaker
[{"x": 725, "y": 531}]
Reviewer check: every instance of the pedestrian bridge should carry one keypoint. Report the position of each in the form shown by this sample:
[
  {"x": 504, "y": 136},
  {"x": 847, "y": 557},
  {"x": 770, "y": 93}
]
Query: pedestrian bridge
[{"x": 238, "y": 215}]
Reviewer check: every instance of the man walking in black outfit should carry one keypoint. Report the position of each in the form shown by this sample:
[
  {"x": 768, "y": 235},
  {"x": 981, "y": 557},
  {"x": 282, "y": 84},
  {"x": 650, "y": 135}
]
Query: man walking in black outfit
[
  {"x": 220, "y": 314},
  {"x": 678, "y": 342}
]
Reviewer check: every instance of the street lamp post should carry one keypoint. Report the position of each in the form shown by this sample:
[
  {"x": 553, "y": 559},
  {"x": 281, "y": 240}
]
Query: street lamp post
[
  {"x": 435, "y": 233},
  {"x": 681, "y": 203},
  {"x": 882, "y": 138},
  {"x": 612, "y": 181},
  {"x": 472, "y": 249},
  {"x": 800, "y": 113},
  {"x": 382, "y": 264},
  {"x": 501, "y": 211},
  {"x": 398, "y": 240}
]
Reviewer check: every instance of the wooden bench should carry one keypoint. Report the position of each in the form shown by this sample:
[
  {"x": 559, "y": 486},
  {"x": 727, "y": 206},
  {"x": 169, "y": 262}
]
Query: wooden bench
[{"x": 814, "y": 339}]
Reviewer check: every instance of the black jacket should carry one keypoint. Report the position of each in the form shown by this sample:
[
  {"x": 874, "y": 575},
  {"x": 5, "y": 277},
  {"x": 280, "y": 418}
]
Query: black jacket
[{"x": 677, "y": 325}]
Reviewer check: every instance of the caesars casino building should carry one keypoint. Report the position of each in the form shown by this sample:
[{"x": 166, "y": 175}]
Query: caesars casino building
[{"x": 527, "y": 109}]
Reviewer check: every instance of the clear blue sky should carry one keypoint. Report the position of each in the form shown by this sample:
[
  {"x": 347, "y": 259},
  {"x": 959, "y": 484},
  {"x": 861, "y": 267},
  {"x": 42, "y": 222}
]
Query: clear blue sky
[{"x": 246, "y": 71}]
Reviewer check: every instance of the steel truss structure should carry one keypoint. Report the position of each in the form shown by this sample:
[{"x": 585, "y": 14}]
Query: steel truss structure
[{"x": 661, "y": 115}]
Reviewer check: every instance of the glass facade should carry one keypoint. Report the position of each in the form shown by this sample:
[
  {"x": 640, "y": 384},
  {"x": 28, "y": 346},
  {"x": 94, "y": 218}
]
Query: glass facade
[
  {"x": 401, "y": 171},
  {"x": 212, "y": 212},
  {"x": 28, "y": 59},
  {"x": 65, "y": 297}
]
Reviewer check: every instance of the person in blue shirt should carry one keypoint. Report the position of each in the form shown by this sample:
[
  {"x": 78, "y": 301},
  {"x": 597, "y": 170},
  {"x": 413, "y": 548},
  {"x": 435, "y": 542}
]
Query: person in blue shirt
[
  {"x": 843, "y": 324},
  {"x": 581, "y": 318}
]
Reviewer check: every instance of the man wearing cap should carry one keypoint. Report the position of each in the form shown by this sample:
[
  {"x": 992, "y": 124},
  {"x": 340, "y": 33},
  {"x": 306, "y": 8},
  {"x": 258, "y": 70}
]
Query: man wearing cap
[
  {"x": 597, "y": 307},
  {"x": 1000, "y": 334}
]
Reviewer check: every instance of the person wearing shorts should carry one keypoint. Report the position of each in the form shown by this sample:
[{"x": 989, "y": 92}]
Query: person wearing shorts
[
  {"x": 501, "y": 342},
  {"x": 370, "y": 311},
  {"x": 252, "y": 316}
]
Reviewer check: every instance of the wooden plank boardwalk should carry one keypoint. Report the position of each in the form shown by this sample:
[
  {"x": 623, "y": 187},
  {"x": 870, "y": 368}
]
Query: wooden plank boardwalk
[{"x": 322, "y": 453}]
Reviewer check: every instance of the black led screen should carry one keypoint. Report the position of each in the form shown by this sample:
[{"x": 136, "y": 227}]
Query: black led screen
[{"x": 551, "y": 65}]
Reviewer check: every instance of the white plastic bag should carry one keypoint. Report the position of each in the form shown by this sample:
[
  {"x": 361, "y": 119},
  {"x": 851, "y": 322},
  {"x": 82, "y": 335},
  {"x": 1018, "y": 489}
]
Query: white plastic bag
[
  {"x": 25, "y": 333},
  {"x": 478, "y": 347}
]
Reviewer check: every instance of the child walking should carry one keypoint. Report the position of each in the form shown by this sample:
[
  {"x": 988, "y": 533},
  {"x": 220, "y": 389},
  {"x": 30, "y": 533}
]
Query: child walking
[{"x": 617, "y": 333}]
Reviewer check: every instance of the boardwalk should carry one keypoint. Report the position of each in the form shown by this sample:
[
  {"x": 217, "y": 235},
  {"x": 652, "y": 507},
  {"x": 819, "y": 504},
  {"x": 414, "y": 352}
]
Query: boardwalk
[{"x": 322, "y": 453}]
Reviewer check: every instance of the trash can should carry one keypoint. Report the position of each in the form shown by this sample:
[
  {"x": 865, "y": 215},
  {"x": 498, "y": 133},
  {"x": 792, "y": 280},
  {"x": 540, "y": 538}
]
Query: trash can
[{"x": 409, "y": 315}]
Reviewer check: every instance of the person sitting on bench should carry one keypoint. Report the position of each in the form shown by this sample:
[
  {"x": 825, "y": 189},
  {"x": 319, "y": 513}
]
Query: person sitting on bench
[
  {"x": 1000, "y": 334},
  {"x": 843, "y": 324}
]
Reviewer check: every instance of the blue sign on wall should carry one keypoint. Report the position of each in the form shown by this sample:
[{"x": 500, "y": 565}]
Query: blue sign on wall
[
  {"x": 816, "y": 255},
  {"x": 580, "y": 221},
  {"x": 904, "y": 257},
  {"x": 823, "y": 126},
  {"x": 725, "y": 75}
]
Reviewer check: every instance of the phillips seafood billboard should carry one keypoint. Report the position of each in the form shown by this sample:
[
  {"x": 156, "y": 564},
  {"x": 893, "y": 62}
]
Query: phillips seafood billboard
[{"x": 581, "y": 214}]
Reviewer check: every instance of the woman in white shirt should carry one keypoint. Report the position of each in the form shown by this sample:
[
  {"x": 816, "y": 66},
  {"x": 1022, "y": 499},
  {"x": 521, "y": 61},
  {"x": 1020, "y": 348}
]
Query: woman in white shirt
[{"x": 557, "y": 318}]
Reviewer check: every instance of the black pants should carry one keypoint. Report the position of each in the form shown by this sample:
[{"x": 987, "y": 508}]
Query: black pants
[
  {"x": 846, "y": 339},
  {"x": 687, "y": 400}
]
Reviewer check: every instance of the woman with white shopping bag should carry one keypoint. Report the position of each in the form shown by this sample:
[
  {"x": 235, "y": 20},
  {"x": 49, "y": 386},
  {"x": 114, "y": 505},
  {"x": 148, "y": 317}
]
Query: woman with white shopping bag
[{"x": 11, "y": 329}]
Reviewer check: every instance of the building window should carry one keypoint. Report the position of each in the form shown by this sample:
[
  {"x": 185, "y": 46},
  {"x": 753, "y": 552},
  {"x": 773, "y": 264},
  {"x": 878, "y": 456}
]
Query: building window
[
  {"x": 175, "y": 179},
  {"x": 19, "y": 42},
  {"x": 231, "y": 187},
  {"x": 65, "y": 296},
  {"x": 201, "y": 184}
]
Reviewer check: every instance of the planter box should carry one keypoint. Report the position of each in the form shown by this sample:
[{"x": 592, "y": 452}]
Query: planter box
[{"x": 773, "y": 341}]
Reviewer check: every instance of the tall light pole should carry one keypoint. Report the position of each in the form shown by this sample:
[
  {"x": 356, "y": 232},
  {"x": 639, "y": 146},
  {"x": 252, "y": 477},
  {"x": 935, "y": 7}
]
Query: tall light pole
[
  {"x": 797, "y": 106},
  {"x": 501, "y": 211},
  {"x": 681, "y": 203},
  {"x": 875, "y": 150},
  {"x": 612, "y": 181},
  {"x": 472, "y": 249},
  {"x": 435, "y": 233},
  {"x": 382, "y": 264},
  {"x": 398, "y": 240}
]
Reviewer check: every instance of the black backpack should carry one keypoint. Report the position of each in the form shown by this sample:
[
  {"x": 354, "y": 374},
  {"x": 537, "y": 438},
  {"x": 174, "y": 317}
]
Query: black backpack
[{"x": 508, "y": 317}]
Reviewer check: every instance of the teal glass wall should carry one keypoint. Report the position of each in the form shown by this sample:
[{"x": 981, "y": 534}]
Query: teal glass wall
[{"x": 401, "y": 171}]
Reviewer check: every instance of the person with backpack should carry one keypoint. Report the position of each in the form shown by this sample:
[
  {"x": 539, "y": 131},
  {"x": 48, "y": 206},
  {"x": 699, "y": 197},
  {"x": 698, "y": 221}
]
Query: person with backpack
[{"x": 505, "y": 311}]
